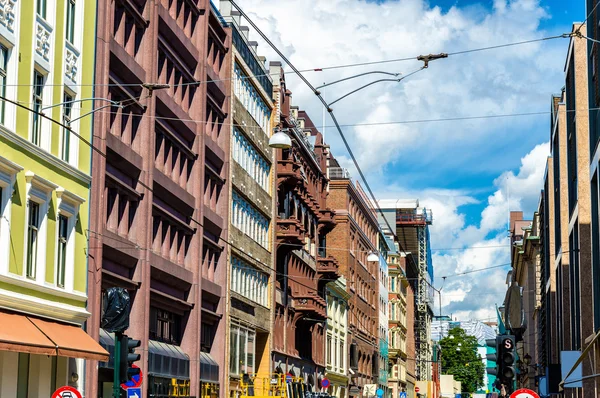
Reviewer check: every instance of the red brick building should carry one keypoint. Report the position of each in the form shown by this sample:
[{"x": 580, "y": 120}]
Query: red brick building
[
  {"x": 159, "y": 198},
  {"x": 302, "y": 265},
  {"x": 355, "y": 236}
]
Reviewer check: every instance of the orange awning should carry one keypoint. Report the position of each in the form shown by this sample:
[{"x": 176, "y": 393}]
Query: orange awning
[
  {"x": 18, "y": 334},
  {"x": 23, "y": 333},
  {"x": 71, "y": 341}
]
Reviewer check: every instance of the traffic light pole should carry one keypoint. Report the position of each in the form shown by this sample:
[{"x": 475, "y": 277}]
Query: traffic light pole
[{"x": 116, "y": 366}]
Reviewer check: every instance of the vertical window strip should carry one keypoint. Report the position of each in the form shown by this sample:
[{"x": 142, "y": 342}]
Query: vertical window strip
[
  {"x": 251, "y": 99},
  {"x": 249, "y": 282},
  {"x": 250, "y": 160},
  {"x": 249, "y": 220}
]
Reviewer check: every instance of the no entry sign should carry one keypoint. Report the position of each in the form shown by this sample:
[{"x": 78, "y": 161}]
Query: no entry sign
[
  {"x": 524, "y": 393},
  {"x": 66, "y": 392}
]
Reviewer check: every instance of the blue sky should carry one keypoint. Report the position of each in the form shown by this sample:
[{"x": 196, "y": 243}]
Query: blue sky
[{"x": 462, "y": 170}]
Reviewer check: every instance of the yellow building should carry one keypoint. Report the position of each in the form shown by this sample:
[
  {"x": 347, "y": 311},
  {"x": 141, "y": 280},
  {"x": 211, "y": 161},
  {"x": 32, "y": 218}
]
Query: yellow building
[{"x": 46, "y": 58}]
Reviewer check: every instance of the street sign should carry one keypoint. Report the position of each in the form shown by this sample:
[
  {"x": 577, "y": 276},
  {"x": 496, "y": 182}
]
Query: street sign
[
  {"x": 524, "y": 393},
  {"x": 289, "y": 378},
  {"x": 402, "y": 394},
  {"x": 134, "y": 393},
  {"x": 325, "y": 383},
  {"x": 379, "y": 392},
  {"x": 66, "y": 392},
  {"x": 417, "y": 389},
  {"x": 135, "y": 382}
]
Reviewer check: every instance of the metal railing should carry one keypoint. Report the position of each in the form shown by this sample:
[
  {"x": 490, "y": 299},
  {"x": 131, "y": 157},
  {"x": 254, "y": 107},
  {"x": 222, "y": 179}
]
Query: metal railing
[{"x": 339, "y": 173}]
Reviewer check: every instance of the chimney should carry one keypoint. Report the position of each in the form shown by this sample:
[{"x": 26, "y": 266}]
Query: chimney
[
  {"x": 245, "y": 31},
  {"x": 253, "y": 45},
  {"x": 225, "y": 8},
  {"x": 235, "y": 15},
  {"x": 262, "y": 59},
  {"x": 275, "y": 71}
]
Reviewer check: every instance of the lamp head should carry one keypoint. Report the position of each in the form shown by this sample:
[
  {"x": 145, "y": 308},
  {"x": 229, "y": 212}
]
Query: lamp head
[{"x": 280, "y": 140}]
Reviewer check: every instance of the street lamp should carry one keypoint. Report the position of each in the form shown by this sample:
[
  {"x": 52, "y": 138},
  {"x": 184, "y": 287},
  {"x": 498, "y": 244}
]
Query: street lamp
[
  {"x": 372, "y": 256},
  {"x": 280, "y": 140}
]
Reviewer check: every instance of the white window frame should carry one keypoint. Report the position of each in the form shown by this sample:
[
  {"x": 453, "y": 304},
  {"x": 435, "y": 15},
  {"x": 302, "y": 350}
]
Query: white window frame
[
  {"x": 68, "y": 205},
  {"x": 248, "y": 330},
  {"x": 39, "y": 190},
  {"x": 8, "y": 173}
]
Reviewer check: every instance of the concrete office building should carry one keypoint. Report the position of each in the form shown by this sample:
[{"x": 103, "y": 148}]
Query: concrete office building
[{"x": 160, "y": 198}]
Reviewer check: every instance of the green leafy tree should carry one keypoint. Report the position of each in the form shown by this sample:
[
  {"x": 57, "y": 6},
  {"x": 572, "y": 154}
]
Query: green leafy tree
[{"x": 460, "y": 358}]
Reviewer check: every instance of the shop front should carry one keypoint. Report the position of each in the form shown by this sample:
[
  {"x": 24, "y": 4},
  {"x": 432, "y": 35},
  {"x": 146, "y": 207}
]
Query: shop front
[
  {"x": 168, "y": 370},
  {"x": 39, "y": 355}
]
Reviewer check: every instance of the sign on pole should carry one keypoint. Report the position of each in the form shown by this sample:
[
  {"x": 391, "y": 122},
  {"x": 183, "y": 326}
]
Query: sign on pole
[
  {"x": 402, "y": 394},
  {"x": 524, "y": 393},
  {"x": 417, "y": 389},
  {"x": 135, "y": 382},
  {"x": 66, "y": 392},
  {"x": 325, "y": 383},
  {"x": 288, "y": 378},
  {"x": 134, "y": 393}
]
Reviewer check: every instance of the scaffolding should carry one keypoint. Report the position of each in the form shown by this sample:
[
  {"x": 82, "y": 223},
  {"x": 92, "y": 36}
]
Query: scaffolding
[{"x": 412, "y": 226}]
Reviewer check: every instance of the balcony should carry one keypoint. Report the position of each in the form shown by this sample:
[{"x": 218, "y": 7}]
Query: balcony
[
  {"x": 327, "y": 219},
  {"x": 328, "y": 267},
  {"x": 313, "y": 305},
  {"x": 290, "y": 231},
  {"x": 288, "y": 172}
]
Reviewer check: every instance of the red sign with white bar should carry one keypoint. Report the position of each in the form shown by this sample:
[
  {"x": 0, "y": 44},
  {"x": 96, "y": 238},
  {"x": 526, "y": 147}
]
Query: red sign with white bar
[
  {"x": 66, "y": 392},
  {"x": 524, "y": 393}
]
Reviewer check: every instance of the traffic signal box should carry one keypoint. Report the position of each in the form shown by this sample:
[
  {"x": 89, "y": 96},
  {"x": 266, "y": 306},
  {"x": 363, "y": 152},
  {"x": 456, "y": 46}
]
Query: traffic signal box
[
  {"x": 127, "y": 358},
  {"x": 504, "y": 359}
]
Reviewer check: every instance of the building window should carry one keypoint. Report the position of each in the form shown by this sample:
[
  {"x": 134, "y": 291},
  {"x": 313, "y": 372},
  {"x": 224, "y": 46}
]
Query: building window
[
  {"x": 249, "y": 282},
  {"x": 246, "y": 155},
  {"x": 242, "y": 350},
  {"x": 70, "y": 26},
  {"x": 32, "y": 238},
  {"x": 41, "y": 8},
  {"x": 38, "y": 96},
  {"x": 165, "y": 326},
  {"x": 3, "y": 77},
  {"x": 61, "y": 263},
  {"x": 342, "y": 356},
  {"x": 66, "y": 135},
  {"x": 207, "y": 336},
  {"x": 249, "y": 220},
  {"x": 329, "y": 349},
  {"x": 251, "y": 99}
]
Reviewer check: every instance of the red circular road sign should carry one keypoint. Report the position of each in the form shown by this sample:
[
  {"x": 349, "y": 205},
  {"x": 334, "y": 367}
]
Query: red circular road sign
[
  {"x": 66, "y": 392},
  {"x": 524, "y": 393},
  {"x": 325, "y": 383},
  {"x": 417, "y": 389},
  {"x": 136, "y": 381}
]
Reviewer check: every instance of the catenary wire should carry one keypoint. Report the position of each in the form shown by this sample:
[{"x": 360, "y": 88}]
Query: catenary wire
[{"x": 319, "y": 69}]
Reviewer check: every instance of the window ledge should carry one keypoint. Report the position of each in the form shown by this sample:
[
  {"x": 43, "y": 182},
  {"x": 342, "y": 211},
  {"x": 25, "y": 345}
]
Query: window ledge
[
  {"x": 42, "y": 154},
  {"x": 45, "y": 288}
]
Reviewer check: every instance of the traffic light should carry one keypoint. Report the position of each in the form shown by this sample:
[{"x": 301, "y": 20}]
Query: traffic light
[
  {"x": 493, "y": 343},
  {"x": 127, "y": 358},
  {"x": 506, "y": 359}
]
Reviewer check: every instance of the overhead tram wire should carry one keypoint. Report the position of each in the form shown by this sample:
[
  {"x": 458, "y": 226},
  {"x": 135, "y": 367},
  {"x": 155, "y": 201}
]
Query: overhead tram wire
[
  {"x": 320, "y": 69},
  {"x": 325, "y": 104}
]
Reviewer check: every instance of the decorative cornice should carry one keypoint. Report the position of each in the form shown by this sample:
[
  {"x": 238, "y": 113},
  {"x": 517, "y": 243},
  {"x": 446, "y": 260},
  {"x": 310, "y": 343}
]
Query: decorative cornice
[
  {"x": 45, "y": 308},
  {"x": 45, "y": 289},
  {"x": 41, "y": 154}
]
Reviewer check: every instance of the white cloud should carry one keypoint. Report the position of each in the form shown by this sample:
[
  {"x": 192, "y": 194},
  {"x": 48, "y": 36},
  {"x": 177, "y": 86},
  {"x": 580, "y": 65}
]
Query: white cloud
[
  {"x": 509, "y": 80},
  {"x": 499, "y": 81}
]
